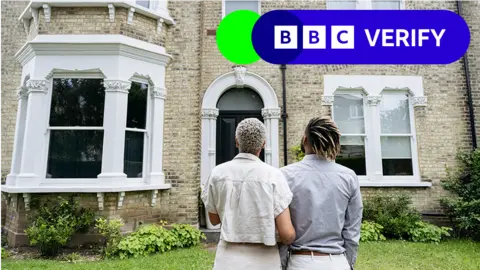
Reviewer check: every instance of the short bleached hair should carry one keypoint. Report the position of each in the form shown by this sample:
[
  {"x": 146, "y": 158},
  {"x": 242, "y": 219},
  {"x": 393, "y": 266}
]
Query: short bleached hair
[{"x": 251, "y": 135}]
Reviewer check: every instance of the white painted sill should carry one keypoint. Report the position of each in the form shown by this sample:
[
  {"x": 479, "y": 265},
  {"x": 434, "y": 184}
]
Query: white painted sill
[
  {"x": 394, "y": 184},
  {"x": 163, "y": 14},
  {"x": 82, "y": 188}
]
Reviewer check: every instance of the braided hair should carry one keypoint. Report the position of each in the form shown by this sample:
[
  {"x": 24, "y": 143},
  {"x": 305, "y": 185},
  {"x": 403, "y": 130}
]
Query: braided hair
[{"x": 324, "y": 137}]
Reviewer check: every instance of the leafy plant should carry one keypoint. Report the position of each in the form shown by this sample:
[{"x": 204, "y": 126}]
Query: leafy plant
[
  {"x": 146, "y": 240},
  {"x": 394, "y": 213},
  {"x": 371, "y": 231},
  {"x": 464, "y": 209},
  {"x": 297, "y": 153},
  {"x": 110, "y": 229},
  {"x": 187, "y": 235},
  {"x": 5, "y": 253},
  {"x": 72, "y": 257},
  {"x": 55, "y": 225},
  {"x": 426, "y": 232}
]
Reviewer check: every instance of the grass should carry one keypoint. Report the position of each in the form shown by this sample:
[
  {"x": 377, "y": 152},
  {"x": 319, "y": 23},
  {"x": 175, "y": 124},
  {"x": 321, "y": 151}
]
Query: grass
[{"x": 391, "y": 255}]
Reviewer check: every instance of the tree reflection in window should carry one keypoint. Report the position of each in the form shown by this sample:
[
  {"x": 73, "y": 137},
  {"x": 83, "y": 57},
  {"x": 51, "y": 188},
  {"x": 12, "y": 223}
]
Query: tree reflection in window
[
  {"x": 76, "y": 153},
  {"x": 135, "y": 139}
]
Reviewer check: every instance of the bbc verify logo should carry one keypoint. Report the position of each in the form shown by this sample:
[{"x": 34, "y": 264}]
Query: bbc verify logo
[
  {"x": 343, "y": 37},
  {"x": 360, "y": 37}
]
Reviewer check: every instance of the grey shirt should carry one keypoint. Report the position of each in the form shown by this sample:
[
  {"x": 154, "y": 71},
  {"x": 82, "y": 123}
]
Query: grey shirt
[{"x": 326, "y": 208}]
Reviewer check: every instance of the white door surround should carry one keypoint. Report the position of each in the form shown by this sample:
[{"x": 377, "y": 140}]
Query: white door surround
[{"x": 239, "y": 77}]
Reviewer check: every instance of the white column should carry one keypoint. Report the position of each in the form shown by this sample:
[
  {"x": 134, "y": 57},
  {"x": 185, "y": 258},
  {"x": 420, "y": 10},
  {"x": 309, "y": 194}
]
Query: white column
[
  {"x": 271, "y": 117},
  {"x": 22, "y": 95},
  {"x": 33, "y": 144},
  {"x": 375, "y": 156},
  {"x": 208, "y": 162},
  {"x": 156, "y": 175},
  {"x": 114, "y": 124}
]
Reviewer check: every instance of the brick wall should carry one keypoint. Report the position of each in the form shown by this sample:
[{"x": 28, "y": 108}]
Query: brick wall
[{"x": 95, "y": 20}]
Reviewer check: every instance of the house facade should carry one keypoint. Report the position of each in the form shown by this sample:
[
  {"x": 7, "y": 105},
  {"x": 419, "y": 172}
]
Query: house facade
[{"x": 128, "y": 105}]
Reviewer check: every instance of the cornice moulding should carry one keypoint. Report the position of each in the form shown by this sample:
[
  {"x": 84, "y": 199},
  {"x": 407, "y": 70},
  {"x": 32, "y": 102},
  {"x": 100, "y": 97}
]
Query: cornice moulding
[
  {"x": 92, "y": 45},
  {"x": 154, "y": 14}
]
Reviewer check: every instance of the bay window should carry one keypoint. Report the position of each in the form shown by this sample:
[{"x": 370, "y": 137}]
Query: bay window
[
  {"x": 230, "y": 6},
  {"x": 375, "y": 116},
  {"x": 76, "y": 128}
]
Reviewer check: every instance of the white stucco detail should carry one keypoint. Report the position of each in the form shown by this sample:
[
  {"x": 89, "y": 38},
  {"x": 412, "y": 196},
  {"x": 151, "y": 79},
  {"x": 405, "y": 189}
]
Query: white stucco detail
[{"x": 116, "y": 59}]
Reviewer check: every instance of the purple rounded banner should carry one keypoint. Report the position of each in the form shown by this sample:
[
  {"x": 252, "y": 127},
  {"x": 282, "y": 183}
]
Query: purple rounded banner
[{"x": 361, "y": 37}]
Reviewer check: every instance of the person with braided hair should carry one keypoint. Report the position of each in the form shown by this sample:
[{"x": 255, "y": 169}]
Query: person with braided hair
[{"x": 326, "y": 209}]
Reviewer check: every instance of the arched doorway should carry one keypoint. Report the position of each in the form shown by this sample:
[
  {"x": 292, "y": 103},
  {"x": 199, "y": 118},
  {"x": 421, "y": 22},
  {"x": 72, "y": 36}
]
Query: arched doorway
[
  {"x": 235, "y": 105},
  {"x": 241, "y": 82}
]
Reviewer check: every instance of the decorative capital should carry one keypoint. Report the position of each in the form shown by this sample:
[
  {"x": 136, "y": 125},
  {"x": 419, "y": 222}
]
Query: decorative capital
[
  {"x": 327, "y": 100},
  {"x": 419, "y": 101},
  {"x": 159, "y": 92},
  {"x": 22, "y": 92},
  {"x": 374, "y": 100},
  {"x": 116, "y": 86},
  {"x": 271, "y": 113},
  {"x": 210, "y": 113},
  {"x": 240, "y": 75},
  {"x": 37, "y": 86}
]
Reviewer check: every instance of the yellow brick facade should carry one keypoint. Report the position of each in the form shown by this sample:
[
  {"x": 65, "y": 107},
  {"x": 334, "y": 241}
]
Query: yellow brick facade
[{"x": 442, "y": 126}]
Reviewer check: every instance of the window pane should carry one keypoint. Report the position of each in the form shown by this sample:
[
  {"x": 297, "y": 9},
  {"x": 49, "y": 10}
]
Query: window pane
[
  {"x": 240, "y": 100},
  {"x": 231, "y": 6},
  {"x": 348, "y": 113},
  {"x": 347, "y": 4},
  {"x": 395, "y": 114},
  {"x": 396, "y": 156},
  {"x": 137, "y": 105},
  {"x": 133, "y": 159},
  {"x": 144, "y": 3},
  {"x": 77, "y": 102},
  {"x": 75, "y": 154},
  {"x": 352, "y": 154},
  {"x": 385, "y": 4}
]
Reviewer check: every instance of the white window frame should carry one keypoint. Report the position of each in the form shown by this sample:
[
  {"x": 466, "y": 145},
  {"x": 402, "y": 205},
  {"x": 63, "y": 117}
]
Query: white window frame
[
  {"x": 259, "y": 8},
  {"x": 364, "y": 135},
  {"x": 47, "y": 112},
  {"x": 373, "y": 88},
  {"x": 146, "y": 131},
  {"x": 367, "y": 4}
]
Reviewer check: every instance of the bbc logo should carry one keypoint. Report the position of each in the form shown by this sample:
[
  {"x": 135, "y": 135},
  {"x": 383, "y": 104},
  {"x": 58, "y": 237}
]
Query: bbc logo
[{"x": 314, "y": 37}]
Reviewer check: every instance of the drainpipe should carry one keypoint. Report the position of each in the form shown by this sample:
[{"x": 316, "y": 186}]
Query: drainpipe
[
  {"x": 283, "y": 68},
  {"x": 469, "y": 90}
]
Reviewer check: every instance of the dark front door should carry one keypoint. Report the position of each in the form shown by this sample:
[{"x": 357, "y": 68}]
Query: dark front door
[{"x": 227, "y": 122}]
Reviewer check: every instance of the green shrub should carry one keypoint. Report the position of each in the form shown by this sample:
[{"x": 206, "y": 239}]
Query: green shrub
[
  {"x": 5, "y": 253},
  {"x": 110, "y": 229},
  {"x": 426, "y": 232},
  {"x": 154, "y": 238},
  {"x": 187, "y": 235},
  {"x": 55, "y": 225},
  {"x": 146, "y": 240},
  {"x": 464, "y": 209},
  {"x": 297, "y": 153},
  {"x": 72, "y": 257},
  {"x": 393, "y": 212},
  {"x": 371, "y": 231}
]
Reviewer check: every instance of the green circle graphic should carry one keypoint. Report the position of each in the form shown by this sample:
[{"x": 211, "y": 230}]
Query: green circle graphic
[{"x": 234, "y": 37}]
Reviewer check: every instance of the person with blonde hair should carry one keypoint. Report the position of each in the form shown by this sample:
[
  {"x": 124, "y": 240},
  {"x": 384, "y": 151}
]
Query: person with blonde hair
[
  {"x": 327, "y": 207},
  {"x": 250, "y": 200}
]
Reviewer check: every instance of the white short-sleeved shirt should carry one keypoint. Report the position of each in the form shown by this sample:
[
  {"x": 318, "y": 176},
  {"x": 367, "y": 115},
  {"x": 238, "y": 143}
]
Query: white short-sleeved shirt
[{"x": 248, "y": 195}]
